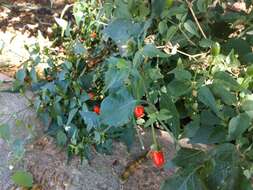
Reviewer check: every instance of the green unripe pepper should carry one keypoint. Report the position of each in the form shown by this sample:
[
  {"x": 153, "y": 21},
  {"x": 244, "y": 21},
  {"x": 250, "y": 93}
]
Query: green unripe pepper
[
  {"x": 215, "y": 49},
  {"x": 169, "y": 3}
]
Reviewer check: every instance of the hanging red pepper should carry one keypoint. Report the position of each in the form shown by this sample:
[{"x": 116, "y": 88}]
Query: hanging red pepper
[
  {"x": 139, "y": 111},
  {"x": 96, "y": 109},
  {"x": 158, "y": 158},
  {"x": 156, "y": 153}
]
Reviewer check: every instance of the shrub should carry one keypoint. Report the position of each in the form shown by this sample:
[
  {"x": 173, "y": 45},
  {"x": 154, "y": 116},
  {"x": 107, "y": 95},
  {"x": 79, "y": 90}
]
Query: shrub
[{"x": 184, "y": 62}]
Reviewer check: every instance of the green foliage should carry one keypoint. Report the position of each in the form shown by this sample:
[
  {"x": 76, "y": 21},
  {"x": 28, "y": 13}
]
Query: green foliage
[
  {"x": 156, "y": 54},
  {"x": 120, "y": 116},
  {"x": 216, "y": 169},
  {"x": 22, "y": 178}
]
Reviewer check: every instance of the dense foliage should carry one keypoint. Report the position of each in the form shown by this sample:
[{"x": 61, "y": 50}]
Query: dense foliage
[{"x": 162, "y": 55}]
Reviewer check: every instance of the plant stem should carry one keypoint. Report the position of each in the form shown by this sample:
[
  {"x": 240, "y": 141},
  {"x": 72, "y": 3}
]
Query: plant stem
[
  {"x": 154, "y": 137},
  {"x": 181, "y": 52},
  {"x": 140, "y": 139},
  {"x": 195, "y": 18},
  {"x": 139, "y": 135},
  {"x": 174, "y": 140},
  {"x": 187, "y": 37}
]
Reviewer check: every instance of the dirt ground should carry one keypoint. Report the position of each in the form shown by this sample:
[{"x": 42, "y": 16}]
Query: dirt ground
[
  {"x": 29, "y": 16},
  {"x": 21, "y": 22}
]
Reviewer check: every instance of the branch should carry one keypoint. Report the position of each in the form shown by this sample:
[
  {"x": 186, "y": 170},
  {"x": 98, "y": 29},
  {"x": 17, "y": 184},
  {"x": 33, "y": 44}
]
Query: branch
[
  {"x": 181, "y": 52},
  {"x": 195, "y": 18}
]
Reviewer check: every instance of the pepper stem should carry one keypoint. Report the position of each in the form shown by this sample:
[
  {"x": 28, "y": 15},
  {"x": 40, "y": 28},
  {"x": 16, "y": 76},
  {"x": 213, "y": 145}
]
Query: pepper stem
[{"x": 154, "y": 138}]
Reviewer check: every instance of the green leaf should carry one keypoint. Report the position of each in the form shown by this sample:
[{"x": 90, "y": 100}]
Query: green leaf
[
  {"x": 162, "y": 115},
  {"x": 181, "y": 74},
  {"x": 202, "y": 5},
  {"x": 152, "y": 119},
  {"x": 207, "y": 117},
  {"x": 221, "y": 92},
  {"x": 247, "y": 58},
  {"x": 162, "y": 27},
  {"x": 207, "y": 98},
  {"x": 209, "y": 134},
  {"x": 238, "y": 125},
  {"x": 91, "y": 119},
  {"x": 191, "y": 27},
  {"x": 157, "y": 7},
  {"x": 121, "y": 30},
  {"x": 116, "y": 75},
  {"x": 78, "y": 17},
  {"x": 138, "y": 88},
  {"x": 152, "y": 94},
  {"x": 247, "y": 103},
  {"x": 22, "y": 178},
  {"x": 226, "y": 172},
  {"x": 175, "y": 11},
  {"x": 178, "y": 88},
  {"x": 205, "y": 43},
  {"x": 174, "y": 122},
  {"x": 37, "y": 103},
  {"x": 151, "y": 51},
  {"x": 171, "y": 32},
  {"x": 128, "y": 135},
  {"x": 20, "y": 75},
  {"x": 192, "y": 127},
  {"x": 33, "y": 75},
  {"x": 59, "y": 121},
  {"x": 239, "y": 45},
  {"x": 138, "y": 58},
  {"x": 116, "y": 110},
  {"x": 5, "y": 133},
  {"x": 185, "y": 181},
  {"x": 138, "y": 8},
  {"x": 72, "y": 114},
  {"x": 79, "y": 48},
  {"x": 189, "y": 158},
  {"x": 61, "y": 138},
  {"x": 227, "y": 80},
  {"x": 121, "y": 9},
  {"x": 155, "y": 74}
]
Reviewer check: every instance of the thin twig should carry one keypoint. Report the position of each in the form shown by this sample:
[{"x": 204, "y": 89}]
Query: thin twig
[
  {"x": 181, "y": 52},
  {"x": 187, "y": 37},
  {"x": 195, "y": 18},
  {"x": 200, "y": 54}
]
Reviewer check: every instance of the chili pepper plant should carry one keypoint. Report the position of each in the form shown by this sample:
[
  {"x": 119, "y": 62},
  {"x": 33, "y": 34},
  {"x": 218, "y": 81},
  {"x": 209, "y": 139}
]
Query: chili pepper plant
[{"x": 183, "y": 66}]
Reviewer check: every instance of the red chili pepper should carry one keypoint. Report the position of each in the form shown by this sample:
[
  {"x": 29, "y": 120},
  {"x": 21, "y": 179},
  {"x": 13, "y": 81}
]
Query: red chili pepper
[
  {"x": 158, "y": 158},
  {"x": 93, "y": 35},
  {"x": 96, "y": 109},
  {"x": 91, "y": 95},
  {"x": 27, "y": 79},
  {"x": 139, "y": 111}
]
